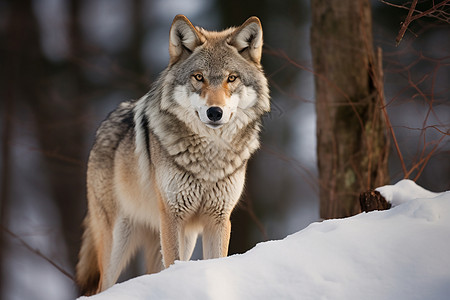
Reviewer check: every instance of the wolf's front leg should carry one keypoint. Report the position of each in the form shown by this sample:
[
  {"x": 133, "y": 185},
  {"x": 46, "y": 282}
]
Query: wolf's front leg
[
  {"x": 176, "y": 241},
  {"x": 187, "y": 240},
  {"x": 216, "y": 237},
  {"x": 169, "y": 228}
]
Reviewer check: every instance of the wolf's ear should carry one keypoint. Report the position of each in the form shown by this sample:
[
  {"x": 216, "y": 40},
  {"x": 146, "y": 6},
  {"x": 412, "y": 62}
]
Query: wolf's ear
[
  {"x": 248, "y": 39},
  {"x": 183, "y": 38}
]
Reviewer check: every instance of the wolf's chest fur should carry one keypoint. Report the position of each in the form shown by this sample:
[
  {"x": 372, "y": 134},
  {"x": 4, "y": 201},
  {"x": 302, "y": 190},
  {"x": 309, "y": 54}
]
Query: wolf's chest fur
[
  {"x": 199, "y": 173},
  {"x": 210, "y": 158}
]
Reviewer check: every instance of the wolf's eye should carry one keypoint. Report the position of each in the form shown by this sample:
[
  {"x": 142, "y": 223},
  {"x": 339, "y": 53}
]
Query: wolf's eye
[
  {"x": 232, "y": 78},
  {"x": 198, "y": 77}
]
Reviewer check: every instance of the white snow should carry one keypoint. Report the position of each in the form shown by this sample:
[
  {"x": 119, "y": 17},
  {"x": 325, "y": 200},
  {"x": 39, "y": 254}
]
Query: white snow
[
  {"x": 401, "y": 253},
  {"x": 403, "y": 191}
]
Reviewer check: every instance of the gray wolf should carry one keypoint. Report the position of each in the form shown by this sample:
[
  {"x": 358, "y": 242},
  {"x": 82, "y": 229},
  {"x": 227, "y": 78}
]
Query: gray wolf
[{"x": 171, "y": 165}]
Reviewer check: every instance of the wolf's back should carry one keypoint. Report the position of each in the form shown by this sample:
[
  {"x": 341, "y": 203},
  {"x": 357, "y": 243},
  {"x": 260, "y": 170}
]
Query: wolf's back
[{"x": 113, "y": 129}]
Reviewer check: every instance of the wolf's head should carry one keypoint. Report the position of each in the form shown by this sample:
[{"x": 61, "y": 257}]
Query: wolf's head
[{"x": 215, "y": 77}]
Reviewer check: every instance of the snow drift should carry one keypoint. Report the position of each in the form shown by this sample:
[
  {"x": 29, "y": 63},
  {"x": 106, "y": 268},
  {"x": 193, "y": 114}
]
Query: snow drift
[{"x": 401, "y": 253}]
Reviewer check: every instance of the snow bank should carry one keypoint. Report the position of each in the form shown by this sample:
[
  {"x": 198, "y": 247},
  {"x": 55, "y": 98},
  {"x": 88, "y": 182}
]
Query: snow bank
[
  {"x": 404, "y": 191},
  {"x": 401, "y": 253}
]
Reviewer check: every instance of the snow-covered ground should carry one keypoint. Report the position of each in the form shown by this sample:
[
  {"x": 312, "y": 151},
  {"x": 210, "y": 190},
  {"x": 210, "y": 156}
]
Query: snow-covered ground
[{"x": 401, "y": 253}]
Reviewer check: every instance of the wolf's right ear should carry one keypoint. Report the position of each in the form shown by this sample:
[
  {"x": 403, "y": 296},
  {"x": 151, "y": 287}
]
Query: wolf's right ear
[{"x": 183, "y": 38}]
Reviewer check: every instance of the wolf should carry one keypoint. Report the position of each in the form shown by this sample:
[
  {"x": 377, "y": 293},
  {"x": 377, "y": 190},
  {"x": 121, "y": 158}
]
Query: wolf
[{"x": 171, "y": 165}]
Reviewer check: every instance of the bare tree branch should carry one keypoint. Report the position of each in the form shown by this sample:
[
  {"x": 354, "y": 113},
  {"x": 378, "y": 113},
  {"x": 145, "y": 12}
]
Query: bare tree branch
[
  {"x": 406, "y": 22},
  {"x": 436, "y": 11}
]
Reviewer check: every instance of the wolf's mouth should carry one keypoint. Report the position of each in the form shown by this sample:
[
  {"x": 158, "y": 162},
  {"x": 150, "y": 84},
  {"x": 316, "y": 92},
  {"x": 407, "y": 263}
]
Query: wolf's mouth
[{"x": 214, "y": 125}]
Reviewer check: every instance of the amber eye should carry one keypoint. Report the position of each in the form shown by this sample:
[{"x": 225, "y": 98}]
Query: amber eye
[
  {"x": 232, "y": 78},
  {"x": 198, "y": 77}
]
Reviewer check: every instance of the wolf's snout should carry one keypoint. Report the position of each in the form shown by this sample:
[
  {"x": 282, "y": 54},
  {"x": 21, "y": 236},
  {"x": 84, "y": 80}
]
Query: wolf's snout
[{"x": 214, "y": 113}]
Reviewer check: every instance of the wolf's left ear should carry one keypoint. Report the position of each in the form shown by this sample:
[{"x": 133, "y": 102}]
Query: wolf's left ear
[
  {"x": 248, "y": 39},
  {"x": 183, "y": 38}
]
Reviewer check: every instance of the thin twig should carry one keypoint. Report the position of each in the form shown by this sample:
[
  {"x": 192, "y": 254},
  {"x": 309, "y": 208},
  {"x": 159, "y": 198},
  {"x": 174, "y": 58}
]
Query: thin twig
[
  {"x": 397, "y": 148},
  {"x": 425, "y": 160},
  {"x": 251, "y": 211},
  {"x": 38, "y": 253},
  {"x": 429, "y": 11}
]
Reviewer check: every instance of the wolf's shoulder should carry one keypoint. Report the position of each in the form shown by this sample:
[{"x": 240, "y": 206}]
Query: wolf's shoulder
[{"x": 117, "y": 125}]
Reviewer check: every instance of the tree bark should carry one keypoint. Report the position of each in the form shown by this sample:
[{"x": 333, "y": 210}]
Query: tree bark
[{"x": 351, "y": 143}]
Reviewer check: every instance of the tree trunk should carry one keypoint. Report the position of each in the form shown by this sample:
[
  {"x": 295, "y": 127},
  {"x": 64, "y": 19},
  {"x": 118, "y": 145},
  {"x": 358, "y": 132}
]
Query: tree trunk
[{"x": 351, "y": 143}]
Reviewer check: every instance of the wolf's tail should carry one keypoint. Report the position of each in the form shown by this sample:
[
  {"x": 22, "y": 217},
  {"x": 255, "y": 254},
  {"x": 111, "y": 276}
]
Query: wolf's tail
[{"x": 88, "y": 272}]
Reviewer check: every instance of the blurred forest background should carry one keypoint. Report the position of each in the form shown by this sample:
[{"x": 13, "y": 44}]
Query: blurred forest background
[{"x": 65, "y": 64}]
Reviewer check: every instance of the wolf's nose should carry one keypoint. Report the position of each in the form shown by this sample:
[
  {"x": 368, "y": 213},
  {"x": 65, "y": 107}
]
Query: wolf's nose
[{"x": 214, "y": 113}]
